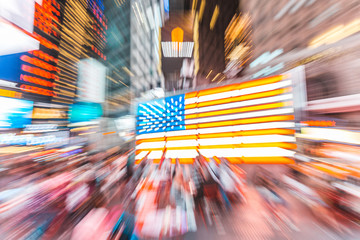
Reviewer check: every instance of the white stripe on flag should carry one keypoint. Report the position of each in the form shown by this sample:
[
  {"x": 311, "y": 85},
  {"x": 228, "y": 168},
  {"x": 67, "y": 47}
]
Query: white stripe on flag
[
  {"x": 235, "y": 93},
  {"x": 248, "y": 152},
  {"x": 241, "y": 115},
  {"x": 240, "y": 104}
]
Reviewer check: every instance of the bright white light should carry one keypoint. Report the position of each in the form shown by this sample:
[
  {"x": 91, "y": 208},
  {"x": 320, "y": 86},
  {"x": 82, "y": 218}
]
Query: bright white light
[
  {"x": 241, "y": 115},
  {"x": 270, "y": 125},
  {"x": 155, "y": 155},
  {"x": 335, "y": 135},
  {"x": 219, "y": 129},
  {"x": 191, "y": 100},
  {"x": 248, "y": 152},
  {"x": 216, "y": 141},
  {"x": 15, "y": 41},
  {"x": 265, "y": 139},
  {"x": 235, "y": 93},
  {"x": 181, "y": 154},
  {"x": 182, "y": 143},
  {"x": 141, "y": 155},
  {"x": 177, "y": 49},
  {"x": 150, "y": 135},
  {"x": 148, "y": 145},
  {"x": 245, "y": 139},
  {"x": 181, "y": 133},
  {"x": 240, "y": 104},
  {"x": 256, "y": 126},
  {"x": 215, "y": 96}
]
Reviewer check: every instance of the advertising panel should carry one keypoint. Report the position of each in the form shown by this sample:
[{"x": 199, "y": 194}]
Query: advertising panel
[
  {"x": 84, "y": 112},
  {"x": 36, "y": 71},
  {"x": 91, "y": 82},
  {"x": 15, "y": 113}
]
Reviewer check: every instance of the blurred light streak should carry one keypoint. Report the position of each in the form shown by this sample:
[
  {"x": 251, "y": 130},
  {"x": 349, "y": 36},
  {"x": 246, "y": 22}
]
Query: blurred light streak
[
  {"x": 214, "y": 17},
  {"x": 336, "y": 34},
  {"x": 207, "y": 76},
  {"x": 201, "y": 11},
  {"x": 215, "y": 77},
  {"x": 330, "y": 134}
]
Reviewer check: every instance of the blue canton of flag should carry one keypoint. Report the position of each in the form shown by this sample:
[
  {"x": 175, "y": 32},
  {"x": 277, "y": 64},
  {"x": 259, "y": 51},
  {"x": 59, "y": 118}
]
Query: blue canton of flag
[{"x": 161, "y": 115}]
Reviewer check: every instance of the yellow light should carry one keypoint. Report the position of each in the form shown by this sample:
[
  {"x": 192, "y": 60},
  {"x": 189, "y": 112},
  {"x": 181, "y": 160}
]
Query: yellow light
[
  {"x": 215, "y": 77},
  {"x": 209, "y": 74},
  {"x": 214, "y": 17},
  {"x": 128, "y": 71},
  {"x": 202, "y": 8},
  {"x": 336, "y": 34}
]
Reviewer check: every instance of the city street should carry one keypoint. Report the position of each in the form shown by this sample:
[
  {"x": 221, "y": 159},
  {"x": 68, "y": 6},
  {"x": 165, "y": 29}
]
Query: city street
[{"x": 249, "y": 221}]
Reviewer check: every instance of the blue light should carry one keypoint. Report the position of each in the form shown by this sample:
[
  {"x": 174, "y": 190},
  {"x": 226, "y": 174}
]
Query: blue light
[{"x": 166, "y": 6}]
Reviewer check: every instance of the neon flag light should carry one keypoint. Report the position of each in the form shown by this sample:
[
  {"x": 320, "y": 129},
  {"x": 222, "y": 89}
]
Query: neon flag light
[{"x": 249, "y": 122}]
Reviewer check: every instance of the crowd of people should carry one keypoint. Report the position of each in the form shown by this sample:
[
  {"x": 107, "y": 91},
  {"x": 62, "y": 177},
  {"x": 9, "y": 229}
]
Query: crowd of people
[{"x": 72, "y": 194}]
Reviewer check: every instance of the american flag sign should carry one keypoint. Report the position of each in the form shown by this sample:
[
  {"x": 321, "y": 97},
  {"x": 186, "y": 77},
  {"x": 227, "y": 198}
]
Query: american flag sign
[{"x": 248, "y": 122}]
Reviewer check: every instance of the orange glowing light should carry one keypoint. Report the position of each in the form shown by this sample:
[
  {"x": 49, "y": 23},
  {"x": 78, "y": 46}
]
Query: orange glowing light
[
  {"x": 177, "y": 35},
  {"x": 36, "y": 80},
  {"x": 108, "y": 133},
  {"x": 217, "y": 159},
  {"x": 37, "y": 90},
  {"x": 186, "y": 160},
  {"x": 267, "y": 160},
  {"x": 319, "y": 123}
]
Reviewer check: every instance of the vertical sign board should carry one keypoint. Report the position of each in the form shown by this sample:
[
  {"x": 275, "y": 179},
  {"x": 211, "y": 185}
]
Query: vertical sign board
[
  {"x": 299, "y": 92},
  {"x": 91, "y": 82}
]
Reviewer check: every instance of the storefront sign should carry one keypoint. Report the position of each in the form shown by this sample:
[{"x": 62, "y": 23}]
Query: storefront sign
[
  {"x": 40, "y": 127},
  {"x": 10, "y": 94},
  {"x": 46, "y": 113},
  {"x": 30, "y": 139}
]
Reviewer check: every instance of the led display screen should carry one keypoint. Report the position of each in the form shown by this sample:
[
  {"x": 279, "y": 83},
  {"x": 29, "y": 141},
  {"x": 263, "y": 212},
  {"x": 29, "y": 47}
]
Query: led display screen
[
  {"x": 248, "y": 122},
  {"x": 15, "y": 113},
  {"x": 84, "y": 111}
]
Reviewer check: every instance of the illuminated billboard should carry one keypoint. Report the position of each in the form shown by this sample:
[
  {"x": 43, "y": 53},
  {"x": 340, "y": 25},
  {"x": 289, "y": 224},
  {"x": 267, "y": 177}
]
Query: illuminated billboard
[
  {"x": 15, "y": 113},
  {"x": 249, "y": 122},
  {"x": 91, "y": 82},
  {"x": 36, "y": 71}
]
